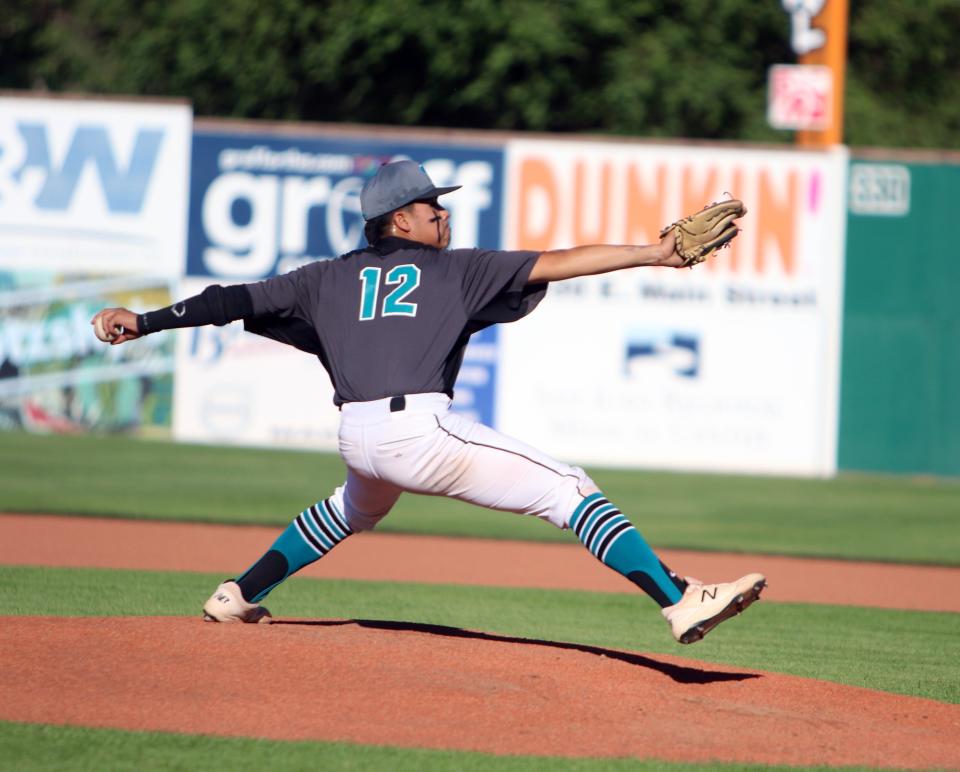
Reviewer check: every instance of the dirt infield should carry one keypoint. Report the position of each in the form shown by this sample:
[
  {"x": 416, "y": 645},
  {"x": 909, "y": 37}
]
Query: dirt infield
[
  {"x": 136, "y": 544},
  {"x": 426, "y": 686}
]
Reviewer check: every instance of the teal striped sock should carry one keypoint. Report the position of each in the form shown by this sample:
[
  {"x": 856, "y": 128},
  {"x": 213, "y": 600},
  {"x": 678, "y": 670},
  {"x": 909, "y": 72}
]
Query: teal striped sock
[
  {"x": 614, "y": 541},
  {"x": 312, "y": 534}
]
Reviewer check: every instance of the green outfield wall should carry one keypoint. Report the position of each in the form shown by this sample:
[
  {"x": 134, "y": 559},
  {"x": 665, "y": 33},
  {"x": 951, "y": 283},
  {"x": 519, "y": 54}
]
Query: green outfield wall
[{"x": 900, "y": 377}]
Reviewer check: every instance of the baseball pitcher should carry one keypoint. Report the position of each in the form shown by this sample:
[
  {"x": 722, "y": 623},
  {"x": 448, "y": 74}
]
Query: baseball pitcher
[{"x": 390, "y": 323}]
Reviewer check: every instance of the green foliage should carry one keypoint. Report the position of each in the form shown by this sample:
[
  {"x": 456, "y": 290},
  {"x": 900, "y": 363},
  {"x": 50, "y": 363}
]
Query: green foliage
[
  {"x": 21, "y": 23},
  {"x": 904, "y": 74},
  {"x": 635, "y": 67}
]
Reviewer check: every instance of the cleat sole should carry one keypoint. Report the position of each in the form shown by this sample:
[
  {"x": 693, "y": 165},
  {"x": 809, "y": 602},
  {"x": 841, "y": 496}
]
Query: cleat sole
[
  {"x": 734, "y": 607},
  {"x": 264, "y": 618}
]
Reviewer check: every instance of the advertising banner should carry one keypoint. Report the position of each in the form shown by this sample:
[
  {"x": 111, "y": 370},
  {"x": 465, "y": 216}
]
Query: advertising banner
[
  {"x": 55, "y": 376},
  {"x": 731, "y": 366},
  {"x": 93, "y": 186},
  {"x": 264, "y": 204}
]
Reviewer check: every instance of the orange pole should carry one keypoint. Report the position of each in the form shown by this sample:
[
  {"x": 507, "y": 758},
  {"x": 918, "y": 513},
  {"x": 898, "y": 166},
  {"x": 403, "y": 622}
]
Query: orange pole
[{"x": 832, "y": 19}]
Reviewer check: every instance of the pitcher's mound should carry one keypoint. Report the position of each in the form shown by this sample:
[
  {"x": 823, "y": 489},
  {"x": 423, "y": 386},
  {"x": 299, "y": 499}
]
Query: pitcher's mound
[{"x": 425, "y": 686}]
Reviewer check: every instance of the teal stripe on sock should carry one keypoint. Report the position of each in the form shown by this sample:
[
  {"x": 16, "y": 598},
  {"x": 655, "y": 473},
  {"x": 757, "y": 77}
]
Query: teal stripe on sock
[
  {"x": 339, "y": 518},
  {"x": 601, "y": 534},
  {"x": 627, "y": 552},
  {"x": 326, "y": 541},
  {"x": 295, "y": 548},
  {"x": 331, "y": 524},
  {"x": 578, "y": 512},
  {"x": 590, "y": 523}
]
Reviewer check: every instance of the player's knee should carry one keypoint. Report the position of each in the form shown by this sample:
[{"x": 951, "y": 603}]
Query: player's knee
[
  {"x": 568, "y": 496},
  {"x": 589, "y": 487},
  {"x": 356, "y": 518},
  {"x": 360, "y": 521}
]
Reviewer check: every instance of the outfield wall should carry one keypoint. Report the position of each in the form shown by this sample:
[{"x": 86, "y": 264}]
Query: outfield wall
[
  {"x": 732, "y": 367},
  {"x": 901, "y": 340}
]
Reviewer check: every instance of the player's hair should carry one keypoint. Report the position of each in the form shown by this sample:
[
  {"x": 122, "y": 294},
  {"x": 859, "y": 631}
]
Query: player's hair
[{"x": 378, "y": 227}]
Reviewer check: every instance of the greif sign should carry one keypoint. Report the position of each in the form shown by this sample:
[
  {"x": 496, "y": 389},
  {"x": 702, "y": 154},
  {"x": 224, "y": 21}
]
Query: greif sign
[{"x": 264, "y": 204}]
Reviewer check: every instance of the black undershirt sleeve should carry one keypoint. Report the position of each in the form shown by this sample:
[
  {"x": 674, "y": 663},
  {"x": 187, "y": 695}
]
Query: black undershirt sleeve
[{"x": 215, "y": 305}]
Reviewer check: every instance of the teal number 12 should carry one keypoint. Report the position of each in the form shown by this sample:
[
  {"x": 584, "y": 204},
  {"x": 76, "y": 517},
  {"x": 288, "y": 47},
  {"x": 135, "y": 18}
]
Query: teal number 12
[{"x": 406, "y": 276}]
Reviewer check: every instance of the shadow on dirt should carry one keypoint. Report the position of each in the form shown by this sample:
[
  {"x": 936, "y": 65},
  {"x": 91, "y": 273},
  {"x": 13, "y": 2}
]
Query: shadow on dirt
[{"x": 679, "y": 673}]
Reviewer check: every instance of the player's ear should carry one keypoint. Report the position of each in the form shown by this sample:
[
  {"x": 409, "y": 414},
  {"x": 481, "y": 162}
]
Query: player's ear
[{"x": 401, "y": 221}]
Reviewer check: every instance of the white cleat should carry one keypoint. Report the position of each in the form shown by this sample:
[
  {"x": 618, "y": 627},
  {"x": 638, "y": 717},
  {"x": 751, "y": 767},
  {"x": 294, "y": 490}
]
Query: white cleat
[
  {"x": 227, "y": 605},
  {"x": 704, "y": 606}
]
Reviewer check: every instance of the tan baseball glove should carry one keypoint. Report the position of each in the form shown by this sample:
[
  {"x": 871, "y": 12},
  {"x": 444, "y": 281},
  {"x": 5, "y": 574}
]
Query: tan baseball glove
[{"x": 702, "y": 233}]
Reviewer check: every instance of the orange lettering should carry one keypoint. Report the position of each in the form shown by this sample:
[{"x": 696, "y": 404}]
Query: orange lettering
[
  {"x": 536, "y": 180},
  {"x": 775, "y": 221},
  {"x": 736, "y": 247},
  {"x": 695, "y": 197},
  {"x": 582, "y": 233},
  {"x": 645, "y": 215}
]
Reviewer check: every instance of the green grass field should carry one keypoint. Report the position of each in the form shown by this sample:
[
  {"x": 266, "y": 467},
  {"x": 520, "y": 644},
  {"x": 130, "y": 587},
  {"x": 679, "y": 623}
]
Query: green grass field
[
  {"x": 884, "y": 518},
  {"x": 855, "y": 516},
  {"x": 37, "y": 748}
]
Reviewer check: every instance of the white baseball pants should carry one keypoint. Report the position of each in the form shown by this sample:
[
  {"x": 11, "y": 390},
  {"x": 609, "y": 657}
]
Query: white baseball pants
[{"x": 427, "y": 449}]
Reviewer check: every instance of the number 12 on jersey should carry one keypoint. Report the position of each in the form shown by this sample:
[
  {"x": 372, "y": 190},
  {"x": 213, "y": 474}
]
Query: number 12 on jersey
[{"x": 407, "y": 279}]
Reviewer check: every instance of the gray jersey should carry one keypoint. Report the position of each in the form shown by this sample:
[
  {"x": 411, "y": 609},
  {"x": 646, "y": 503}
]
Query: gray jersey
[{"x": 396, "y": 319}]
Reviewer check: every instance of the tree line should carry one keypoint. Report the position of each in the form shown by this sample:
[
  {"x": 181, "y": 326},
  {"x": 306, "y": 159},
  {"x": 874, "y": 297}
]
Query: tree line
[{"x": 650, "y": 68}]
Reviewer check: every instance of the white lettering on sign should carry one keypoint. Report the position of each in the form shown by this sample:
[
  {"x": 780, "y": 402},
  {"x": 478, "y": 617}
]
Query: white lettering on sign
[
  {"x": 880, "y": 189},
  {"x": 244, "y": 250},
  {"x": 256, "y": 222}
]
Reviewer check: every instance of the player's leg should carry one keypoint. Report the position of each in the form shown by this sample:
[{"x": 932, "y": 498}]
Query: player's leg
[
  {"x": 311, "y": 535},
  {"x": 355, "y": 506},
  {"x": 472, "y": 462},
  {"x": 696, "y": 608}
]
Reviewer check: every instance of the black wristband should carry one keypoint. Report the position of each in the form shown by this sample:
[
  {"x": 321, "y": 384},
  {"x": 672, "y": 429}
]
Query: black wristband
[{"x": 215, "y": 305}]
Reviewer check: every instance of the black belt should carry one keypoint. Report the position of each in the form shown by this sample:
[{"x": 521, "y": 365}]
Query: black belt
[{"x": 398, "y": 403}]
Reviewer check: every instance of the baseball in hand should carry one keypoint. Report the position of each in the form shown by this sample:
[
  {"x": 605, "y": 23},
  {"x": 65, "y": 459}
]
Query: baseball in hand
[{"x": 102, "y": 333}]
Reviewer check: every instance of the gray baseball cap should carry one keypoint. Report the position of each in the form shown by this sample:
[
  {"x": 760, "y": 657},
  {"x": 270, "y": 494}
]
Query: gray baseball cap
[{"x": 397, "y": 184}]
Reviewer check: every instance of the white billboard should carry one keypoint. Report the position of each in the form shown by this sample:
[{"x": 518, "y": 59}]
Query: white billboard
[
  {"x": 89, "y": 186},
  {"x": 732, "y": 366}
]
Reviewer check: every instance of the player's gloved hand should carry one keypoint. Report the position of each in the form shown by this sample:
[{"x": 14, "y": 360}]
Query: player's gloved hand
[{"x": 702, "y": 233}]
